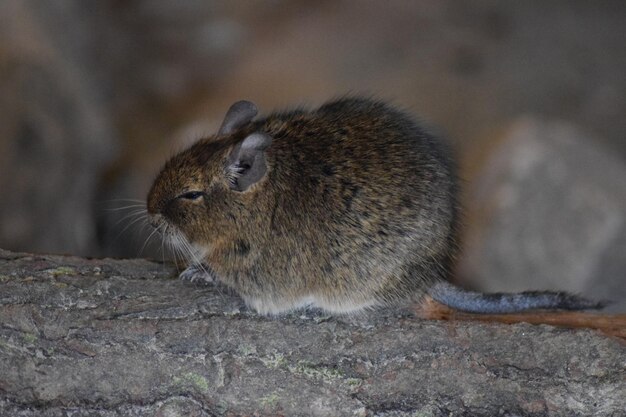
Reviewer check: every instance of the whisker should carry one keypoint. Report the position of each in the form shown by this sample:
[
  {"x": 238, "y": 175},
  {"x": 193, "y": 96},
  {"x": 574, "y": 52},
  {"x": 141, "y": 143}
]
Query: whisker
[
  {"x": 125, "y": 200},
  {"x": 182, "y": 240},
  {"x": 144, "y": 224},
  {"x": 173, "y": 252},
  {"x": 176, "y": 251},
  {"x": 148, "y": 239},
  {"x": 131, "y": 215},
  {"x": 185, "y": 248},
  {"x": 163, "y": 244},
  {"x": 192, "y": 255},
  {"x": 133, "y": 209},
  {"x": 127, "y": 226},
  {"x": 141, "y": 206},
  {"x": 180, "y": 247},
  {"x": 187, "y": 245}
]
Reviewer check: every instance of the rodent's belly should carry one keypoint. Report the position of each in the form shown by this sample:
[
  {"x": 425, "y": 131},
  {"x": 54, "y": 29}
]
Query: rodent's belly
[{"x": 277, "y": 305}]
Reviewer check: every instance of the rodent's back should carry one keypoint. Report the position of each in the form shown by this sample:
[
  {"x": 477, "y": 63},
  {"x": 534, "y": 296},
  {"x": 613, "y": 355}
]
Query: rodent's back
[{"x": 361, "y": 203}]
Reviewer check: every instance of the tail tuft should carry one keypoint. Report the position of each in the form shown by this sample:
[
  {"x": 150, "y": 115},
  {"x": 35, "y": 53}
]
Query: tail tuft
[{"x": 498, "y": 303}]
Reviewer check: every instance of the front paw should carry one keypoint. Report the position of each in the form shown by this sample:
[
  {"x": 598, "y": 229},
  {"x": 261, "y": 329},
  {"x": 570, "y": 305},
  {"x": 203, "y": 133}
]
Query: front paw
[{"x": 198, "y": 273}]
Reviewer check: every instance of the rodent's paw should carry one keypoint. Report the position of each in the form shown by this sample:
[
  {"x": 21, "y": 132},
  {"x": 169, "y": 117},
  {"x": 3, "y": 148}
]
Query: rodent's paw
[{"x": 196, "y": 273}]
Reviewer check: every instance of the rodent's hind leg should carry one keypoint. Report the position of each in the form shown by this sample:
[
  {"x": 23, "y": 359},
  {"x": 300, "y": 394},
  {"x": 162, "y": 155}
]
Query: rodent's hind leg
[{"x": 198, "y": 273}]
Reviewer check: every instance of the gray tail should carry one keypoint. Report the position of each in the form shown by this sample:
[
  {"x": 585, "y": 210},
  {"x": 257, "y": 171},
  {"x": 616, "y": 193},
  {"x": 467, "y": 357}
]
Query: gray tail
[{"x": 497, "y": 303}]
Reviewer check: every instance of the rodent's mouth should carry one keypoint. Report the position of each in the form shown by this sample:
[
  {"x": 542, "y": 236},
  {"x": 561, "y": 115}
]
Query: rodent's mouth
[
  {"x": 180, "y": 245},
  {"x": 175, "y": 240},
  {"x": 169, "y": 233},
  {"x": 167, "y": 230},
  {"x": 157, "y": 221}
]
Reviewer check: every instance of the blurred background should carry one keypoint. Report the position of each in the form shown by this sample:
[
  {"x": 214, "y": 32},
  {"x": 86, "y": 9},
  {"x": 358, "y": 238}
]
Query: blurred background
[{"x": 96, "y": 95}]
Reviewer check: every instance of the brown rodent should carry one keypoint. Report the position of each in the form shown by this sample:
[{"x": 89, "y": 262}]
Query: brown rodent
[{"x": 349, "y": 206}]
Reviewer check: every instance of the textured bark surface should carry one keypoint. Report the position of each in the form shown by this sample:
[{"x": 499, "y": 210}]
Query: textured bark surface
[{"x": 92, "y": 337}]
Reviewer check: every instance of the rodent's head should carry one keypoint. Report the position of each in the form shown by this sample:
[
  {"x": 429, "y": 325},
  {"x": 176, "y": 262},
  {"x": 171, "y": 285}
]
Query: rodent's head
[{"x": 196, "y": 198}]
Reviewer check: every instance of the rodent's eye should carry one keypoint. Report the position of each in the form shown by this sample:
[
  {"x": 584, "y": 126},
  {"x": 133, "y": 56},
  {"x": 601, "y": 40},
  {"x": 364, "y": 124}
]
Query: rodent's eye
[{"x": 191, "y": 195}]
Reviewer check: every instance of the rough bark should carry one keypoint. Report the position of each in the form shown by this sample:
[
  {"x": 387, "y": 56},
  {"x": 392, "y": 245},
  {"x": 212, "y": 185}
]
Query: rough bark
[{"x": 92, "y": 337}]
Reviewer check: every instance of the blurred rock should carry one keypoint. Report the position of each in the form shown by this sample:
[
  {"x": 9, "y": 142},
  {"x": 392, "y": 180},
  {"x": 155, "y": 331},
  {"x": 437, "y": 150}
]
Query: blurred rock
[
  {"x": 548, "y": 212},
  {"x": 55, "y": 135}
]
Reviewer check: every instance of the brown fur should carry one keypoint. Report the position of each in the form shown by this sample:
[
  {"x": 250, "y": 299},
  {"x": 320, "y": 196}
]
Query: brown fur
[{"x": 357, "y": 208}]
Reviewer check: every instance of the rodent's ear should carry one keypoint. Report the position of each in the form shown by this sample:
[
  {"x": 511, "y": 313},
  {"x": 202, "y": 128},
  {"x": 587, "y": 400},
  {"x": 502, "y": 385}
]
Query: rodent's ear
[
  {"x": 246, "y": 162},
  {"x": 238, "y": 115}
]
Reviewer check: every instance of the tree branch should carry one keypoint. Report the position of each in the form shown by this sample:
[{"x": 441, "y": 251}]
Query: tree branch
[{"x": 124, "y": 338}]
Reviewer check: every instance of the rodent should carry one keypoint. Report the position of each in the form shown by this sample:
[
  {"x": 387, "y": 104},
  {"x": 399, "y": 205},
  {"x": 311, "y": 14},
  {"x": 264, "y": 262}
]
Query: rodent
[{"x": 345, "y": 207}]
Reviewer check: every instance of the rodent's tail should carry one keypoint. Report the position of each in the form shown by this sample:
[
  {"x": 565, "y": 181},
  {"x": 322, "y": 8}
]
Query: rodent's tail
[{"x": 498, "y": 303}]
